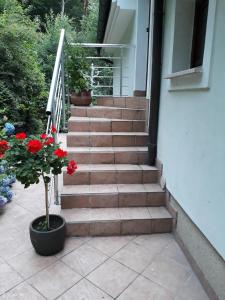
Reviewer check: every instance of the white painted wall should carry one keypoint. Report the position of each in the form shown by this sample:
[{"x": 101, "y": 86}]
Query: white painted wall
[
  {"x": 118, "y": 32},
  {"x": 135, "y": 60},
  {"x": 191, "y": 139},
  {"x": 128, "y": 4},
  {"x": 129, "y": 62},
  {"x": 142, "y": 44}
]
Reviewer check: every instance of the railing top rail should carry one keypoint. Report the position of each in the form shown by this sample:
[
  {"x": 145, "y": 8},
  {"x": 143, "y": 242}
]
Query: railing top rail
[
  {"x": 96, "y": 45},
  {"x": 55, "y": 73}
]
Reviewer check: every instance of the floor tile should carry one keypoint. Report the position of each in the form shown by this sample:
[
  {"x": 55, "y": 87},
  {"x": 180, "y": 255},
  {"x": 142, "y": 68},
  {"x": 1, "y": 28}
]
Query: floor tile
[
  {"x": 105, "y": 214},
  {"x": 125, "y": 167},
  {"x": 159, "y": 212},
  {"x": 134, "y": 213},
  {"x": 167, "y": 273},
  {"x": 141, "y": 226},
  {"x": 103, "y": 188},
  {"x": 71, "y": 244},
  {"x": 54, "y": 280},
  {"x": 155, "y": 243},
  {"x": 152, "y": 187},
  {"x": 2, "y": 261},
  {"x": 192, "y": 289},
  {"x": 109, "y": 245},
  {"x": 105, "y": 228},
  {"x": 84, "y": 290},
  {"x": 102, "y": 167},
  {"x": 22, "y": 292},
  {"x": 134, "y": 257},
  {"x": 12, "y": 246},
  {"x": 112, "y": 277},
  {"x": 8, "y": 278},
  {"x": 131, "y": 188},
  {"x": 109, "y": 277},
  {"x": 144, "y": 289},
  {"x": 28, "y": 263},
  {"x": 173, "y": 251},
  {"x": 84, "y": 260},
  {"x": 148, "y": 168},
  {"x": 78, "y": 214}
]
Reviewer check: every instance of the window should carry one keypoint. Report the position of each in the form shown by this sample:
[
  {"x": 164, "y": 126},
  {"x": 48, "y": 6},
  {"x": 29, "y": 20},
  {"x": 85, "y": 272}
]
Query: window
[
  {"x": 199, "y": 31},
  {"x": 189, "y": 35},
  {"x": 189, "y": 28}
]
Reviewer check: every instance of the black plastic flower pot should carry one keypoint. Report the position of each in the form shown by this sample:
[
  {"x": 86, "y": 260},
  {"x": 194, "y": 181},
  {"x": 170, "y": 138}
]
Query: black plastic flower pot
[{"x": 48, "y": 242}]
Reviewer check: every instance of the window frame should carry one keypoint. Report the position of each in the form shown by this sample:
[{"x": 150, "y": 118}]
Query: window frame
[
  {"x": 192, "y": 78},
  {"x": 199, "y": 28}
]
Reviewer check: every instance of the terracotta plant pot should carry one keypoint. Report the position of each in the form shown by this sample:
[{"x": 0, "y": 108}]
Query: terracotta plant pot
[
  {"x": 48, "y": 242},
  {"x": 83, "y": 99}
]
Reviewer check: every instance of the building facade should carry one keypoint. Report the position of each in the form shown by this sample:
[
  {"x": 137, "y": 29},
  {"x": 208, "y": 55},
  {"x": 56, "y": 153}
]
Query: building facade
[{"x": 191, "y": 115}]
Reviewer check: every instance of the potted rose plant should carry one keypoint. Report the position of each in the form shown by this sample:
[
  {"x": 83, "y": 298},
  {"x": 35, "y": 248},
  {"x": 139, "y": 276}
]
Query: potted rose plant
[{"x": 31, "y": 159}]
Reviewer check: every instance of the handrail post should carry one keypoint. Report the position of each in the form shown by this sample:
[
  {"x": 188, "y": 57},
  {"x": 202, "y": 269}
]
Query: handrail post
[
  {"x": 92, "y": 78},
  {"x": 63, "y": 92},
  {"x": 55, "y": 178},
  {"x": 56, "y": 102},
  {"x": 56, "y": 190},
  {"x": 55, "y": 73},
  {"x": 121, "y": 72}
]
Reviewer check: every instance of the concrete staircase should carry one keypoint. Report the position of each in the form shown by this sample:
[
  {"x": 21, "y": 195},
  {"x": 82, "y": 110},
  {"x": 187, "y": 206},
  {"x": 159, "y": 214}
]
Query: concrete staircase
[{"x": 114, "y": 191}]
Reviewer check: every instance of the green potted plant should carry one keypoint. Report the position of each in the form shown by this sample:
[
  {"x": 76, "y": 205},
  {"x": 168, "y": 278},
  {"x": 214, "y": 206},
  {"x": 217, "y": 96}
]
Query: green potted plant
[
  {"x": 34, "y": 158},
  {"x": 77, "y": 69}
]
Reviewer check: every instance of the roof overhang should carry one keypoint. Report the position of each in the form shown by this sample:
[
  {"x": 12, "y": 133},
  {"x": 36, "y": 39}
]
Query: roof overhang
[{"x": 118, "y": 22}]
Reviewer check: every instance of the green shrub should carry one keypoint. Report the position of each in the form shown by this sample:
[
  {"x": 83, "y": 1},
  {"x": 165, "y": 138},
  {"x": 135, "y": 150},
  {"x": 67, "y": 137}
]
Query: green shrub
[
  {"x": 22, "y": 84},
  {"x": 49, "y": 40}
]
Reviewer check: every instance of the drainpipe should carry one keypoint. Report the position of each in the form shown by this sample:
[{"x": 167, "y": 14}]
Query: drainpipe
[{"x": 155, "y": 80}]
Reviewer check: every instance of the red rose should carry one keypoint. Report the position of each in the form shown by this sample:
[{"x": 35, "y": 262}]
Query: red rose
[
  {"x": 21, "y": 136},
  {"x": 60, "y": 153},
  {"x": 3, "y": 146},
  {"x": 34, "y": 146},
  {"x": 43, "y": 136},
  {"x": 71, "y": 168},
  {"x": 53, "y": 130},
  {"x": 49, "y": 141}
]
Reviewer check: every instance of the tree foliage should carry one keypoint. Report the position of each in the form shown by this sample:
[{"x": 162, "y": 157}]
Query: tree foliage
[
  {"x": 74, "y": 9},
  {"x": 89, "y": 23},
  {"x": 22, "y": 85},
  {"x": 27, "y": 54},
  {"x": 49, "y": 41}
]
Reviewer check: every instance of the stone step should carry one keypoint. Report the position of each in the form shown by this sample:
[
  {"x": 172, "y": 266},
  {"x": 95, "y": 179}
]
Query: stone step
[
  {"x": 109, "y": 155},
  {"x": 128, "y": 102},
  {"x": 112, "y": 195},
  {"x": 117, "y": 221},
  {"x": 104, "y": 125},
  {"x": 106, "y": 139},
  {"x": 111, "y": 174},
  {"x": 108, "y": 112}
]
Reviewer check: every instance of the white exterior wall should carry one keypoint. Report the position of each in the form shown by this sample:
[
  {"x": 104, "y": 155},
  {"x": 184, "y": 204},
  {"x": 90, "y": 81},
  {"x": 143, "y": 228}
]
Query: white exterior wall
[
  {"x": 142, "y": 45},
  {"x": 191, "y": 138},
  {"x": 135, "y": 59},
  {"x": 129, "y": 62}
]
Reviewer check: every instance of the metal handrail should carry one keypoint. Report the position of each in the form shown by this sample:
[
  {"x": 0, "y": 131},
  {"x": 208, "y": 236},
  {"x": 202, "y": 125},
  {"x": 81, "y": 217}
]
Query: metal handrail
[
  {"x": 96, "y": 45},
  {"x": 58, "y": 64},
  {"x": 95, "y": 69},
  {"x": 55, "y": 109}
]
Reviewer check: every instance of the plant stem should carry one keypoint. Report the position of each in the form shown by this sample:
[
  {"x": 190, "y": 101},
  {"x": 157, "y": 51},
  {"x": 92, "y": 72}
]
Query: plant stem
[{"x": 46, "y": 205}]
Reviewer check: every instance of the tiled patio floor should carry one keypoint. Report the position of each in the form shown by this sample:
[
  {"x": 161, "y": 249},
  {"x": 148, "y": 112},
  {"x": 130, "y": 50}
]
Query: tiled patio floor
[{"x": 125, "y": 268}]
